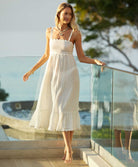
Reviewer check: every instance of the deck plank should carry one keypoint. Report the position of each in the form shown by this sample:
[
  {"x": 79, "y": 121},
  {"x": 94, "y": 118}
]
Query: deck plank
[
  {"x": 50, "y": 162},
  {"x": 7, "y": 163},
  {"x": 75, "y": 163}
]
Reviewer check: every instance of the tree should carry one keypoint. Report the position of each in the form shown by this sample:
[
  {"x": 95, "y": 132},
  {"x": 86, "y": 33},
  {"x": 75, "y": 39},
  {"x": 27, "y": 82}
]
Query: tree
[{"x": 100, "y": 19}]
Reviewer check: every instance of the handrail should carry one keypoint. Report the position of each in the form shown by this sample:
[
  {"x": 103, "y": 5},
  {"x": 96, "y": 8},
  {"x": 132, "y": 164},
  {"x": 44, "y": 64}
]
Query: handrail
[{"x": 112, "y": 68}]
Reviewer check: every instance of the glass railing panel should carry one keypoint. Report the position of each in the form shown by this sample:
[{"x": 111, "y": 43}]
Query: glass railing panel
[
  {"x": 84, "y": 98},
  {"x": 17, "y": 109},
  {"x": 101, "y": 109},
  {"x": 125, "y": 117}
]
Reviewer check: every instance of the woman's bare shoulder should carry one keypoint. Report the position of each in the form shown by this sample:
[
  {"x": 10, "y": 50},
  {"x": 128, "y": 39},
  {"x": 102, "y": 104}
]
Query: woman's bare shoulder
[
  {"x": 48, "y": 31},
  {"x": 76, "y": 34}
]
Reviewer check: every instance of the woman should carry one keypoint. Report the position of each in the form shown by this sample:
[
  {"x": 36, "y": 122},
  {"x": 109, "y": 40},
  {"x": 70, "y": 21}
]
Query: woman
[{"x": 57, "y": 107}]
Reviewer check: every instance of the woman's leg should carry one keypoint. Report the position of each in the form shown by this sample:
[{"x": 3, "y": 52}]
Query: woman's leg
[
  {"x": 71, "y": 136},
  {"x": 67, "y": 137},
  {"x": 118, "y": 144},
  {"x": 128, "y": 135}
]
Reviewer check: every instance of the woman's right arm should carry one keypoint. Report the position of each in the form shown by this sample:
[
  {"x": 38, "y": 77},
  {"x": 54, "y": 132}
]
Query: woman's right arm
[{"x": 43, "y": 59}]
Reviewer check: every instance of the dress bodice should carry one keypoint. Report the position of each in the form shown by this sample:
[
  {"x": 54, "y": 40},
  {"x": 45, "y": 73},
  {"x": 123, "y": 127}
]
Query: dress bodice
[{"x": 61, "y": 46}]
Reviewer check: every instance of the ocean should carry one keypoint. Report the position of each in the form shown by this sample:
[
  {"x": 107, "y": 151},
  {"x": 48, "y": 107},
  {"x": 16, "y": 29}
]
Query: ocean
[
  {"x": 121, "y": 86},
  {"x": 13, "y": 68}
]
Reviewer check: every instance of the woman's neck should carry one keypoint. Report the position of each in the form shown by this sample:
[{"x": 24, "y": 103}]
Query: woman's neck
[{"x": 62, "y": 26}]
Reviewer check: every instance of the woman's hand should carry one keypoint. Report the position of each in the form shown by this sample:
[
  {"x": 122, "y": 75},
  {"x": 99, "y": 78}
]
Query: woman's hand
[
  {"x": 98, "y": 62},
  {"x": 26, "y": 76}
]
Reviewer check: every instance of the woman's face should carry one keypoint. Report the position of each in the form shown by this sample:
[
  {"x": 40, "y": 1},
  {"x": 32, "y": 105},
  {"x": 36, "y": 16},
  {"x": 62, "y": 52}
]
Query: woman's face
[{"x": 65, "y": 16}]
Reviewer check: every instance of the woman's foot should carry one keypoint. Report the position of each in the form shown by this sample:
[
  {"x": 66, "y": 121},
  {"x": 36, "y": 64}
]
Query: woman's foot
[
  {"x": 64, "y": 156},
  {"x": 68, "y": 158},
  {"x": 128, "y": 156}
]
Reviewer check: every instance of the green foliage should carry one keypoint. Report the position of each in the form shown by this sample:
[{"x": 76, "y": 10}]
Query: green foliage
[
  {"x": 118, "y": 41},
  {"x": 96, "y": 10},
  {"x": 104, "y": 133},
  {"x": 3, "y": 95},
  {"x": 98, "y": 17},
  {"x": 135, "y": 135},
  {"x": 90, "y": 37},
  {"x": 93, "y": 52}
]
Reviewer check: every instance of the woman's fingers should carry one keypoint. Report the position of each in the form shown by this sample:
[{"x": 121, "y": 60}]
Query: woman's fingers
[
  {"x": 103, "y": 64},
  {"x": 99, "y": 62},
  {"x": 25, "y": 77}
]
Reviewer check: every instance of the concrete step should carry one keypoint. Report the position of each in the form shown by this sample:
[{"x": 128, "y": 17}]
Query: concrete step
[
  {"x": 92, "y": 158},
  {"x": 106, "y": 155}
]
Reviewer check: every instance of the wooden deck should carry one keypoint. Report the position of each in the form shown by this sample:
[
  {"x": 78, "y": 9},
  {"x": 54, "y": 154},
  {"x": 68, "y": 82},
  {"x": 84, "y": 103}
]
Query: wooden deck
[
  {"x": 46, "y": 153},
  {"x": 47, "y": 162}
]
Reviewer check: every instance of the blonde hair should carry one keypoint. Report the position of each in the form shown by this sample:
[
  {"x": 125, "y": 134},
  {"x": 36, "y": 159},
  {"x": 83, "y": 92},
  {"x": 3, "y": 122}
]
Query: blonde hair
[{"x": 61, "y": 7}]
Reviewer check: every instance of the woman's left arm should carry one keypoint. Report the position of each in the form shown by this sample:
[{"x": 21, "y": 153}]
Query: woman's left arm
[{"x": 82, "y": 58}]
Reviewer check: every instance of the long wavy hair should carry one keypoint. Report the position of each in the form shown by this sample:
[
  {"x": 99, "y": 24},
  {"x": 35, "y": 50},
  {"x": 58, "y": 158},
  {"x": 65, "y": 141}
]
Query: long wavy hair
[{"x": 61, "y": 7}]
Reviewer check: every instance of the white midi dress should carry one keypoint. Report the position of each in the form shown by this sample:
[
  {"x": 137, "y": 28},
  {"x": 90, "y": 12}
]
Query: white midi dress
[{"x": 58, "y": 102}]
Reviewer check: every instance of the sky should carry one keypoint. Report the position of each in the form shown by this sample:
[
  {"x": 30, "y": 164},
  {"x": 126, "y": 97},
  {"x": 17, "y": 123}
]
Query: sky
[{"x": 23, "y": 24}]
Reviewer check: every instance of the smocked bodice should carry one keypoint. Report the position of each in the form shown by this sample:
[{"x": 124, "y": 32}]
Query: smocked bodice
[{"x": 61, "y": 46}]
